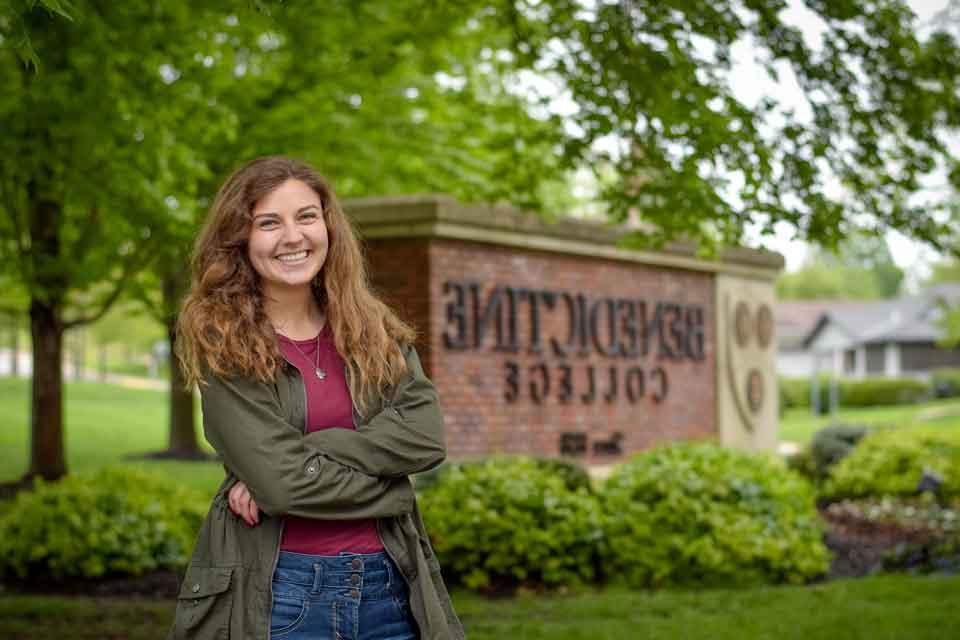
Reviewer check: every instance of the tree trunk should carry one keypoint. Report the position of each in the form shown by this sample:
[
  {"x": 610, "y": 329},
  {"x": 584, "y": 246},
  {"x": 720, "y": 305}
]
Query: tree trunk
[
  {"x": 79, "y": 353},
  {"x": 104, "y": 355},
  {"x": 47, "y": 453},
  {"x": 15, "y": 348},
  {"x": 183, "y": 433},
  {"x": 48, "y": 291}
]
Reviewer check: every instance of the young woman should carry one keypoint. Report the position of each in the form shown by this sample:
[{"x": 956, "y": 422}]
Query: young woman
[{"x": 316, "y": 401}]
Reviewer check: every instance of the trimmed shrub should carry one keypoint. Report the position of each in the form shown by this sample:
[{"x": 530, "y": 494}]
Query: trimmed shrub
[
  {"x": 795, "y": 392},
  {"x": 875, "y": 392},
  {"x": 113, "y": 522},
  {"x": 945, "y": 383},
  {"x": 509, "y": 521},
  {"x": 892, "y": 462},
  {"x": 832, "y": 444},
  {"x": 573, "y": 474},
  {"x": 699, "y": 514},
  {"x": 803, "y": 463},
  {"x": 869, "y": 392}
]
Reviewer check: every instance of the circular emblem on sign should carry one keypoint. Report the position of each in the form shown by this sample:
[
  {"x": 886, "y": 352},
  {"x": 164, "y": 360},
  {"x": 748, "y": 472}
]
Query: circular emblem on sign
[
  {"x": 741, "y": 324},
  {"x": 764, "y": 326},
  {"x": 755, "y": 390}
]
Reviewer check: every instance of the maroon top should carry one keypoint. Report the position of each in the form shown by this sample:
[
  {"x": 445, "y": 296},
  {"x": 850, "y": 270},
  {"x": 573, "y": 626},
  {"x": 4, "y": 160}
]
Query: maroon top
[{"x": 328, "y": 406}]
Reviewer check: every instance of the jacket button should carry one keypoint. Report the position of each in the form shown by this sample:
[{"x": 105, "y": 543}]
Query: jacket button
[
  {"x": 397, "y": 412},
  {"x": 312, "y": 469},
  {"x": 195, "y": 587}
]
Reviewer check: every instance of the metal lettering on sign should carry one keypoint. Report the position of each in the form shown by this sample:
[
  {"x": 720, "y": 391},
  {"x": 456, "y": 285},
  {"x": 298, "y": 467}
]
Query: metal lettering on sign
[{"x": 612, "y": 328}]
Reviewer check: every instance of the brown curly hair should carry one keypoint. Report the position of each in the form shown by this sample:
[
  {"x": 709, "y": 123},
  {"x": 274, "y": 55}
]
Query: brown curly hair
[{"x": 223, "y": 329}]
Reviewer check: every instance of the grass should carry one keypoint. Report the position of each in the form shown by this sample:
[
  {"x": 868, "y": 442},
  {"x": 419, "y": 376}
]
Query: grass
[
  {"x": 799, "y": 425},
  {"x": 103, "y": 424},
  {"x": 878, "y": 608}
]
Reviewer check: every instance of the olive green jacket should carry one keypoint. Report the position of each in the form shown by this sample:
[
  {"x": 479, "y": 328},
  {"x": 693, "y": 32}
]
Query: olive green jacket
[{"x": 333, "y": 474}]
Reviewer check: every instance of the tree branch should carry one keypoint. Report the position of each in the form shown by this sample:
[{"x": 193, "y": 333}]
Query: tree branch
[
  {"x": 90, "y": 228},
  {"x": 138, "y": 260}
]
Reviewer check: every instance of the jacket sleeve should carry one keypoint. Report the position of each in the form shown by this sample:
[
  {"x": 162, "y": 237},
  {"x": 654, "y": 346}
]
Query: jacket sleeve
[
  {"x": 406, "y": 437},
  {"x": 285, "y": 475}
]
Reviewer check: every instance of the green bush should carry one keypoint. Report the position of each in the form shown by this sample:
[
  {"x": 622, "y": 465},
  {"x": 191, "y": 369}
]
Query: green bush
[
  {"x": 700, "y": 514},
  {"x": 945, "y": 383},
  {"x": 875, "y": 392},
  {"x": 573, "y": 474},
  {"x": 832, "y": 444},
  {"x": 508, "y": 521},
  {"x": 115, "y": 521},
  {"x": 868, "y": 392},
  {"x": 891, "y": 462},
  {"x": 795, "y": 392},
  {"x": 803, "y": 463}
]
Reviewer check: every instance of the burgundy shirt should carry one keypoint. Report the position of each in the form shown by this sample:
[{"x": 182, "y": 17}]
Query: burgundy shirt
[{"x": 328, "y": 406}]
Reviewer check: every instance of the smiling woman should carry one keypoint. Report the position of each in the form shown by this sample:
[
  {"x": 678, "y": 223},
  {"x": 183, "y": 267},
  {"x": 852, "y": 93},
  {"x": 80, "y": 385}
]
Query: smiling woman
[{"x": 315, "y": 398}]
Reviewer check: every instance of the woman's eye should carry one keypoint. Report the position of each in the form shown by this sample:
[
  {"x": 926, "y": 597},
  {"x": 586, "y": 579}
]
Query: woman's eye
[
  {"x": 267, "y": 224},
  {"x": 308, "y": 216}
]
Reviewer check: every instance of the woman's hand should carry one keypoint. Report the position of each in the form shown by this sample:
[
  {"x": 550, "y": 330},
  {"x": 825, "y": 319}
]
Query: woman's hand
[{"x": 243, "y": 504}]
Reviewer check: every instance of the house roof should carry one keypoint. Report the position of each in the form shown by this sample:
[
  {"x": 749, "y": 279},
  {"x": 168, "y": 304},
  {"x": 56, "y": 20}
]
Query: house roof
[
  {"x": 797, "y": 318},
  {"x": 907, "y": 319}
]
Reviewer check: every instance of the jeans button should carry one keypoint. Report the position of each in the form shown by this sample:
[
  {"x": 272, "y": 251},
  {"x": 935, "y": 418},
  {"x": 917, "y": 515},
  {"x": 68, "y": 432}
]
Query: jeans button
[
  {"x": 355, "y": 579},
  {"x": 357, "y": 563},
  {"x": 354, "y": 593}
]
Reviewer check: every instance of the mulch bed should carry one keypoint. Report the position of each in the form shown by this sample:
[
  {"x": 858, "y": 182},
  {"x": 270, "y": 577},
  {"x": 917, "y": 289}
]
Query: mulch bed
[
  {"x": 156, "y": 584},
  {"x": 859, "y": 544}
]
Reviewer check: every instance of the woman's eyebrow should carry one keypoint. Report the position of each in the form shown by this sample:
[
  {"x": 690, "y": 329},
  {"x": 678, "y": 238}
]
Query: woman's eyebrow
[{"x": 273, "y": 213}]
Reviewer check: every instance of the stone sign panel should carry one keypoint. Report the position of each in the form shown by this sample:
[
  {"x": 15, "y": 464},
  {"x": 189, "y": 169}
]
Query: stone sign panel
[{"x": 548, "y": 339}]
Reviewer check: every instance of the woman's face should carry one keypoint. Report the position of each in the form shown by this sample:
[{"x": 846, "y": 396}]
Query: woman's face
[{"x": 288, "y": 237}]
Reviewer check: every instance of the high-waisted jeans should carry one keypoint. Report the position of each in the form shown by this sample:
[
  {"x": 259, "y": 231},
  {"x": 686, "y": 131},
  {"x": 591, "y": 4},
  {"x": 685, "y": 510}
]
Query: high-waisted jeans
[{"x": 352, "y": 596}]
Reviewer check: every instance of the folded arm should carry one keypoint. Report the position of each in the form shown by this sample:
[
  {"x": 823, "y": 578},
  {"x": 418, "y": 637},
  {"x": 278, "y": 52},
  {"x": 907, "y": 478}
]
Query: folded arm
[
  {"x": 285, "y": 474},
  {"x": 406, "y": 437}
]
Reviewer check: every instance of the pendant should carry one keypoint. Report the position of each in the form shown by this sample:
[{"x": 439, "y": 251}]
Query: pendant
[{"x": 320, "y": 373}]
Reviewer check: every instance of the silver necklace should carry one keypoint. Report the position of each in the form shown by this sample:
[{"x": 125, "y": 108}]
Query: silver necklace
[{"x": 321, "y": 374}]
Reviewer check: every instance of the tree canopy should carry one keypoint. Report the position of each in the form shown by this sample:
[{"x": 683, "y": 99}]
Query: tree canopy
[
  {"x": 878, "y": 106},
  {"x": 120, "y": 119}
]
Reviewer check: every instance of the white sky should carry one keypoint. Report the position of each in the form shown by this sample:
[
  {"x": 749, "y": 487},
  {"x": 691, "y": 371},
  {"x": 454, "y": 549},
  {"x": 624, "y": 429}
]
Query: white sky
[{"x": 909, "y": 255}]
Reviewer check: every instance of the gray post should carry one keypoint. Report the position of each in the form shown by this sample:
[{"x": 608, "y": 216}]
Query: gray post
[{"x": 815, "y": 386}]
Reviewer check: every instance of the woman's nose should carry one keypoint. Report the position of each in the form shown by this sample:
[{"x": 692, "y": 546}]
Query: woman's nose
[{"x": 292, "y": 234}]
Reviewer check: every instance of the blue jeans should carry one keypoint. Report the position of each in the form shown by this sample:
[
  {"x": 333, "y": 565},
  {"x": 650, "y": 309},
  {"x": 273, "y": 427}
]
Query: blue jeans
[{"x": 352, "y": 596}]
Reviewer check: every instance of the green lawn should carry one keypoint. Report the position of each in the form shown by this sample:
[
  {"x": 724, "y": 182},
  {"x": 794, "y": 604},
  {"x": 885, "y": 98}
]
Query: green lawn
[
  {"x": 883, "y": 607},
  {"x": 104, "y": 424},
  {"x": 799, "y": 425}
]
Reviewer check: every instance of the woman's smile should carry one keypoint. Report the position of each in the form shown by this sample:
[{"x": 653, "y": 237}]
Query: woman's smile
[{"x": 293, "y": 258}]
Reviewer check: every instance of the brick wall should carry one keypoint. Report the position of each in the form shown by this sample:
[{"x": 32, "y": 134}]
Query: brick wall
[{"x": 485, "y": 413}]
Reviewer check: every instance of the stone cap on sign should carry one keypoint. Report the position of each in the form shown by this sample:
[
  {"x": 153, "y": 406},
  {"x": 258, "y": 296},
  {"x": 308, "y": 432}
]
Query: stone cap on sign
[{"x": 441, "y": 216}]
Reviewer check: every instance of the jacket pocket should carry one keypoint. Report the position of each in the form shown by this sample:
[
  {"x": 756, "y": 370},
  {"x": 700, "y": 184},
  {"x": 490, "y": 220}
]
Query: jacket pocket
[{"x": 204, "y": 603}]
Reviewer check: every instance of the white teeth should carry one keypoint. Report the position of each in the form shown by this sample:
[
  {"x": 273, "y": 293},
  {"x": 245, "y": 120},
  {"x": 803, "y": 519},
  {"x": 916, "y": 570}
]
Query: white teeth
[{"x": 292, "y": 257}]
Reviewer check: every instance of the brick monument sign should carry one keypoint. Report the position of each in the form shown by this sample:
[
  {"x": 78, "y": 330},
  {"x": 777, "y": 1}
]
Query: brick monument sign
[{"x": 547, "y": 339}]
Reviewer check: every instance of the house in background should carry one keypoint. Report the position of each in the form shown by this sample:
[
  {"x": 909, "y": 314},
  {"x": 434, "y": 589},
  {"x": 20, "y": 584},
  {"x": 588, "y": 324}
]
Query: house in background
[{"x": 859, "y": 339}]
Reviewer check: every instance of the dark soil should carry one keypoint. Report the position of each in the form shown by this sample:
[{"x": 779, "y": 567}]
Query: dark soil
[
  {"x": 858, "y": 544},
  {"x": 156, "y": 584}
]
